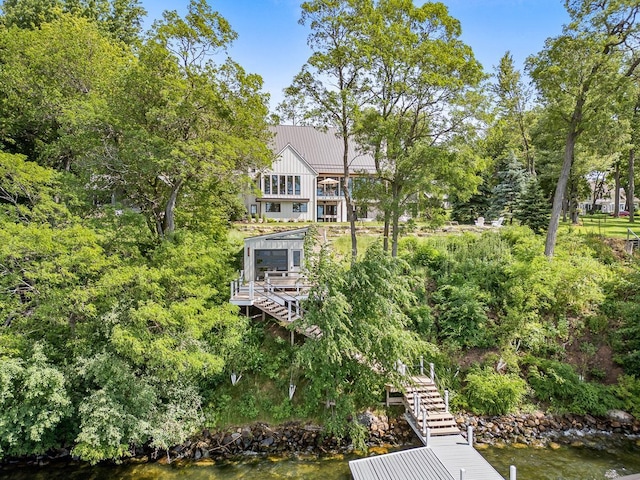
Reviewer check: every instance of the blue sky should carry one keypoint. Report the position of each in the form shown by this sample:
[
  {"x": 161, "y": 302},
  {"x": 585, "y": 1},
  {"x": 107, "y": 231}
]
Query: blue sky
[{"x": 272, "y": 43}]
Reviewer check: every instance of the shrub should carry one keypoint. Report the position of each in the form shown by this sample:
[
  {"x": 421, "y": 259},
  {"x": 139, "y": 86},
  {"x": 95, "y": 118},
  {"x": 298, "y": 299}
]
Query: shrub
[
  {"x": 627, "y": 391},
  {"x": 462, "y": 315},
  {"x": 491, "y": 393}
]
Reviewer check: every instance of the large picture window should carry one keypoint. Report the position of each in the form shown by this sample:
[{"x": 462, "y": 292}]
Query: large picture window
[
  {"x": 282, "y": 185},
  {"x": 272, "y": 207}
]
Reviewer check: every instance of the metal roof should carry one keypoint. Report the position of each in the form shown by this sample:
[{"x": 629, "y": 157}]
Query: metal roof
[
  {"x": 414, "y": 464},
  {"x": 297, "y": 234},
  {"x": 441, "y": 461},
  {"x": 322, "y": 149}
]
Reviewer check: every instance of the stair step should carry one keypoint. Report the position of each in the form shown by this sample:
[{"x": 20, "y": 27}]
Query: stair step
[{"x": 445, "y": 431}]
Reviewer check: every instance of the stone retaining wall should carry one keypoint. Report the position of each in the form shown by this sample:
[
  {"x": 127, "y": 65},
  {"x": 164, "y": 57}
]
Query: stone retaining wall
[{"x": 535, "y": 429}]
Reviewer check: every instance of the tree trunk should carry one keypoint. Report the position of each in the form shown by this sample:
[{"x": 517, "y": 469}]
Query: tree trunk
[
  {"x": 396, "y": 191},
  {"x": 385, "y": 235},
  {"x": 597, "y": 190},
  {"x": 168, "y": 223},
  {"x": 616, "y": 192},
  {"x": 396, "y": 233},
  {"x": 347, "y": 195},
  {"x": 573, "y": 203},
  {"x": 561, "y": 187},
  {"x": 631, "y": 188}
]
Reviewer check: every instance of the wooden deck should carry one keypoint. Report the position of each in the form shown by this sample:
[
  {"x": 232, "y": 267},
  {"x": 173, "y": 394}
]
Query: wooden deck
[
  {"x": 278, "y": 297},
  {"x": 442, "y": 460}
]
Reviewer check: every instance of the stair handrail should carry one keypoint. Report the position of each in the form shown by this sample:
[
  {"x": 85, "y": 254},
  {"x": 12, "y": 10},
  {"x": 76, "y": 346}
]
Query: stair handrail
[
  {"x": 291, "y": 302},
  {"x": 629, "y": 231}
]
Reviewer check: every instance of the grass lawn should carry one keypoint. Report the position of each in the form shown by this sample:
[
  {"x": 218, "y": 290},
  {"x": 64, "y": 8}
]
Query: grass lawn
[{"x": 604, "y": 225}]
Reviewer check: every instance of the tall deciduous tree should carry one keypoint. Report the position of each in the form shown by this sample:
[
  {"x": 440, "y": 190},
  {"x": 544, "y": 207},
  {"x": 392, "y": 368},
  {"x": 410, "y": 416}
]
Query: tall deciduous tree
[
  {"x": 55, "y": 81},
  {"x": 332, "y": 81},
  {"x": 420, "y": 81},
  {"x": 180, "y": 120},
  {"x": 578, "y": 74}
]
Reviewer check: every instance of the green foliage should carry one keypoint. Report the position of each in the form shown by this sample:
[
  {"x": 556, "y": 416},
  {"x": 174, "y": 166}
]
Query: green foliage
[
  {"x": 559, "y": 384},
  {"x": 462, "y": 315},
  {"x": 120, "y": 18},
  {"x": 33, "y": 402},
  {"x": 361, "y": 312},
  {"x": 532, "y": 207},
  {"x": 505, "y": 195},
  {"x": 627, "y": 391},
  {"x": 491, "y": 393}
]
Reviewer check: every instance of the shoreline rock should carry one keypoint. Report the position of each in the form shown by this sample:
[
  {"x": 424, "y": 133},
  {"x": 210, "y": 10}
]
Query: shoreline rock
[{"x": 536, "y": 430}]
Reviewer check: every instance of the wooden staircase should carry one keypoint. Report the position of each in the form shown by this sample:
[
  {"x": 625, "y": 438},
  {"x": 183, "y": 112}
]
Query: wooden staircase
[
  {"x": 285, "y": 316},
  {"x": 438, "y": 419}
]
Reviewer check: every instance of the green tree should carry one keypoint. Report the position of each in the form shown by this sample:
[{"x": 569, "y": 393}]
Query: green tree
[
  {"x": 180, "y": 122},
  {"x": 362, "y": 314},
  {"x": 120, "y": 18},
  {"x": 419, "y": 69},
  {"x": 505, "y": 195},
  {"x": 332, "y": 80},
  {"x": 578, "y": 75},
  {"x": 512, "y": 98},
  {"x": 532, "y": 207},
  {"x": 33, "y": 402},
  {"x": 55, "y": 81}
]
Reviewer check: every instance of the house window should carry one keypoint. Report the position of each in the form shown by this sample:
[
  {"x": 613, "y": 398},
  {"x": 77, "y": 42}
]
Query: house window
[
  {"x": 297, "y": 256},
  {"x": 300, "y": 207},
  {"x": 253, "y": 209},
  {"x": 282, "y": 185},
  {"x": 272, "y": 207}
]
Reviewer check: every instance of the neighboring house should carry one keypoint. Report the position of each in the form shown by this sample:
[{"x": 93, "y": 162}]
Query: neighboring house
[
  {"x": 605, "y": 201},
  {"x": 304, "y": 182}
]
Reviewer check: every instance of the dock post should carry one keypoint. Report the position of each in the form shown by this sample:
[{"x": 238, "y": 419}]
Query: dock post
[
  {"x": 446, "y": 401},
  {"x": 421, "y": 365},
  {"x": 470, "y": 435},
  {"x": 424, "y": 424},
  {"x": 462, "y": 472},
  {"x": 432, "y": 373},
  {"x": 251, "y": 290},
  {"x": 415, "y": 404},
  {"x": 512, "y": 472}
]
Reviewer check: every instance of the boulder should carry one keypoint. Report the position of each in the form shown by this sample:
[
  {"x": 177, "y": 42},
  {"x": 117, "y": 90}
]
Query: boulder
[{"x": 620, "y": 417}]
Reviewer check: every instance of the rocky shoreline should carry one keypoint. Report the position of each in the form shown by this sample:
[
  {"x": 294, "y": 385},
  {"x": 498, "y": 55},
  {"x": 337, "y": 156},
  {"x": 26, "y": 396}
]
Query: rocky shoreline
[{"x": 298, "y": 438}]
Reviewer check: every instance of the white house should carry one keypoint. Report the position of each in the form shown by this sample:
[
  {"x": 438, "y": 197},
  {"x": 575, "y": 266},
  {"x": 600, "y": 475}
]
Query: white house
[{"x": 304, "y": 181}]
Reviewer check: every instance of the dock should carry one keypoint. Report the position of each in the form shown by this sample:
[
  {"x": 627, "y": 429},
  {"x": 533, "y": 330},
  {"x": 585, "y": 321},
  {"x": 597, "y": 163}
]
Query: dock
[
  {"x": 447, "y": 458},
  {"x": 446, "y": 454}
]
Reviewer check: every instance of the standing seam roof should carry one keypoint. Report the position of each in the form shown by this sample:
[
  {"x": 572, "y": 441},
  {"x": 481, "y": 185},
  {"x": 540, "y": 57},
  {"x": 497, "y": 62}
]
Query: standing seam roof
[{"x": 321, "y": 149}]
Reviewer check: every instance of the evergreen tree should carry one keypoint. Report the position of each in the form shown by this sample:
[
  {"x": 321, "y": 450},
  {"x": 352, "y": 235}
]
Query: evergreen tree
[
  {"x": 476, "y": 206},
  {"x": 533, "y": 208},
  {"x": 511, "y": 182}
]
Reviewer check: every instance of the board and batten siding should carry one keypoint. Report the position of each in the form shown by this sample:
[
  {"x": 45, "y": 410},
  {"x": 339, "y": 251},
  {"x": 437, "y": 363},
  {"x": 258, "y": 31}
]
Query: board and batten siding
[
  {"x": 267, "y": 243},
  {"x": 290, "y": 163}
]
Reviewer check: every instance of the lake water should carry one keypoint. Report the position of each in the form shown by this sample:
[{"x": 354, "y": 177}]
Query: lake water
[{"x": 595, "y": 461}]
